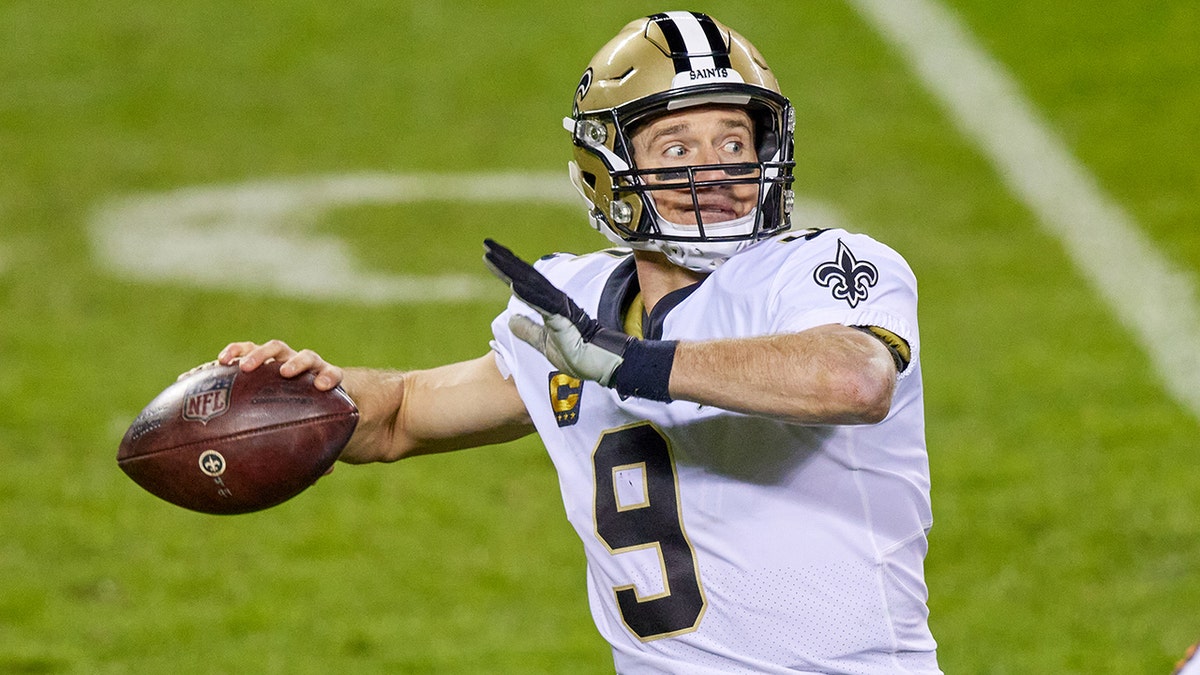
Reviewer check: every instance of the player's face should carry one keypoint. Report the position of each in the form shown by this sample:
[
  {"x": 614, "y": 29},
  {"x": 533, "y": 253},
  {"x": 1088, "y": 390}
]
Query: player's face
[{"x": 699, "y": 136}]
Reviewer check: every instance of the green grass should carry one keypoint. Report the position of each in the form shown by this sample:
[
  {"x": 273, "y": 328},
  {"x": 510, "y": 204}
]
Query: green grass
[{"x": 1066, "y": 520}]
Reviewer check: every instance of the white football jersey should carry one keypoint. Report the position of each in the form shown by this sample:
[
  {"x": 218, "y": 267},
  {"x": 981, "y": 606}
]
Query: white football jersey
[{"x": 722, "y": 542}]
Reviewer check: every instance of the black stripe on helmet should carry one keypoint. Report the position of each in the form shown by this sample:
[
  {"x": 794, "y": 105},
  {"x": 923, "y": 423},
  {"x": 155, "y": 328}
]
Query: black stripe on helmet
[
  {"x": 716, "y": 41},
  {"x": 679, "y": 52}
]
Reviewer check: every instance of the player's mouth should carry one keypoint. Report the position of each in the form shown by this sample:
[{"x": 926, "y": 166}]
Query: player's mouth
[
  {"x": 713, "y": 207},
  {"x": 718, "y": 208}
]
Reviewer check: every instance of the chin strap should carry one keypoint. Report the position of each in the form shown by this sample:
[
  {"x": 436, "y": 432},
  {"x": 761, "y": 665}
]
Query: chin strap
[{"x": 704, "y": 256}]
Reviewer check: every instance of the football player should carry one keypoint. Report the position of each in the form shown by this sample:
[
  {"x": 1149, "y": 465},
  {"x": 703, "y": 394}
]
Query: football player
[{"x": 733, "y": 406}]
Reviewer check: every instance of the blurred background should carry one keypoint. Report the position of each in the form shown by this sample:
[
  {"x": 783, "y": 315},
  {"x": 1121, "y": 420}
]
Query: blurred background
[{"x": 175, "y": 176}]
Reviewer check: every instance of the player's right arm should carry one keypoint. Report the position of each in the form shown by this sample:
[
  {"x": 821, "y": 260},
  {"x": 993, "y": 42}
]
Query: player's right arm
[{"x": 402, "y": 414}]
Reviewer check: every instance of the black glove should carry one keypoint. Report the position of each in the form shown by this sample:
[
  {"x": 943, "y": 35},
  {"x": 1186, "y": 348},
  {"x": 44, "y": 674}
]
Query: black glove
[{"x": 576, "y": 343}]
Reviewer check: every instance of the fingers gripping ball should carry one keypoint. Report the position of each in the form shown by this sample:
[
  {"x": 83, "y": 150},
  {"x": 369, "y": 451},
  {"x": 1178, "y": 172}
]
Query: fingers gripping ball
[{"x": 223, "y": 441}]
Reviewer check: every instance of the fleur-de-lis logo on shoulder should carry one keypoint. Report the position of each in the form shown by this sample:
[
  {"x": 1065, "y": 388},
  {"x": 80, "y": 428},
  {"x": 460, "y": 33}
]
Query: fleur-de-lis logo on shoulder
[{"x": 848, "y": 278}]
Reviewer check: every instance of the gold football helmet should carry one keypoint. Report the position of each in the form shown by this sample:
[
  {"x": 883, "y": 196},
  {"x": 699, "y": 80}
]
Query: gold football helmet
[{"x": 665, "y": 63}]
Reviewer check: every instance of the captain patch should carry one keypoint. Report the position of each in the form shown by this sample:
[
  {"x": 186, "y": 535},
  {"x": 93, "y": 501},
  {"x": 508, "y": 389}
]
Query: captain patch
[{"x": 565, "y": 395}]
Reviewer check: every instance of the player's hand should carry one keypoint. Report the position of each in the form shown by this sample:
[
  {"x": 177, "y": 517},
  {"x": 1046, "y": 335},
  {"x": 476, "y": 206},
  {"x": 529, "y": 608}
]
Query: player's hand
[
  {"x": 250, "y": 355},
  {"x": 575, "y": 342}
]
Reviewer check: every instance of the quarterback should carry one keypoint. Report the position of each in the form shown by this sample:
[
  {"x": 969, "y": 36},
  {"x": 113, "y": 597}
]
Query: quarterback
[{"x": 733, "y": 405}]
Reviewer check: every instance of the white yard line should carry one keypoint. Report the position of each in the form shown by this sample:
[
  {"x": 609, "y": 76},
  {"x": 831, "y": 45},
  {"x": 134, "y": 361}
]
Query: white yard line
[{"x": 1154, "y": 298}]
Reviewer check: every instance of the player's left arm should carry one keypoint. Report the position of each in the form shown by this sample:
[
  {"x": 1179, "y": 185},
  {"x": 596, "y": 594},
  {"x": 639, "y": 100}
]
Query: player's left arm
[
  {"x": 828, "y": 374},
  {"x": 831, "y": 374}
]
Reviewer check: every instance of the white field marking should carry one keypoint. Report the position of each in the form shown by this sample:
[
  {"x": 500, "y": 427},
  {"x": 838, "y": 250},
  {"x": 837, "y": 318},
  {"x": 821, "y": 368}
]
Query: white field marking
[
  {"x": 1154, "y": 298},
  {"x": 254, "y": 236}
]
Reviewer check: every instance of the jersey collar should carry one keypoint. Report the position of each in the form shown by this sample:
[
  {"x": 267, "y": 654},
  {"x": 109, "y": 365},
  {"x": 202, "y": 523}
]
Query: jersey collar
[{"x": 618, "y": 294}]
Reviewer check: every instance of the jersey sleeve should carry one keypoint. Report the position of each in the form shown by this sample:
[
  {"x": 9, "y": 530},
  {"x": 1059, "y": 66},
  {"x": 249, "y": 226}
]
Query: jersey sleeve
[{"x": 853, "y": 280}]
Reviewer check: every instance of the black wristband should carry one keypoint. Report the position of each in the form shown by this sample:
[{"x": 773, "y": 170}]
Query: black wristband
[{"x": 646, "y": 370}]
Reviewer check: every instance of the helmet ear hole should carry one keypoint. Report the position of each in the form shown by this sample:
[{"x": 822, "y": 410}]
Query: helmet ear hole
[{"x": 589, "y": 178}]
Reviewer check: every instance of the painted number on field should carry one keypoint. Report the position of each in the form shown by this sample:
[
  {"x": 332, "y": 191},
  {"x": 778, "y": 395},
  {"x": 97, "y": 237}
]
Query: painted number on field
[{"x": 258, "y": 236}]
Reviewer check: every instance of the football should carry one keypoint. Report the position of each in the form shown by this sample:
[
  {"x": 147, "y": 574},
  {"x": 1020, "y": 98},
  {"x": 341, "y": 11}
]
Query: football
[{"x": 223, "y": 441}]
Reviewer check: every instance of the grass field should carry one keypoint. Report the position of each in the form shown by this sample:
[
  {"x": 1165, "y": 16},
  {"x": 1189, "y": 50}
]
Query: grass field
[{"x": 1066, "y": 519}]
